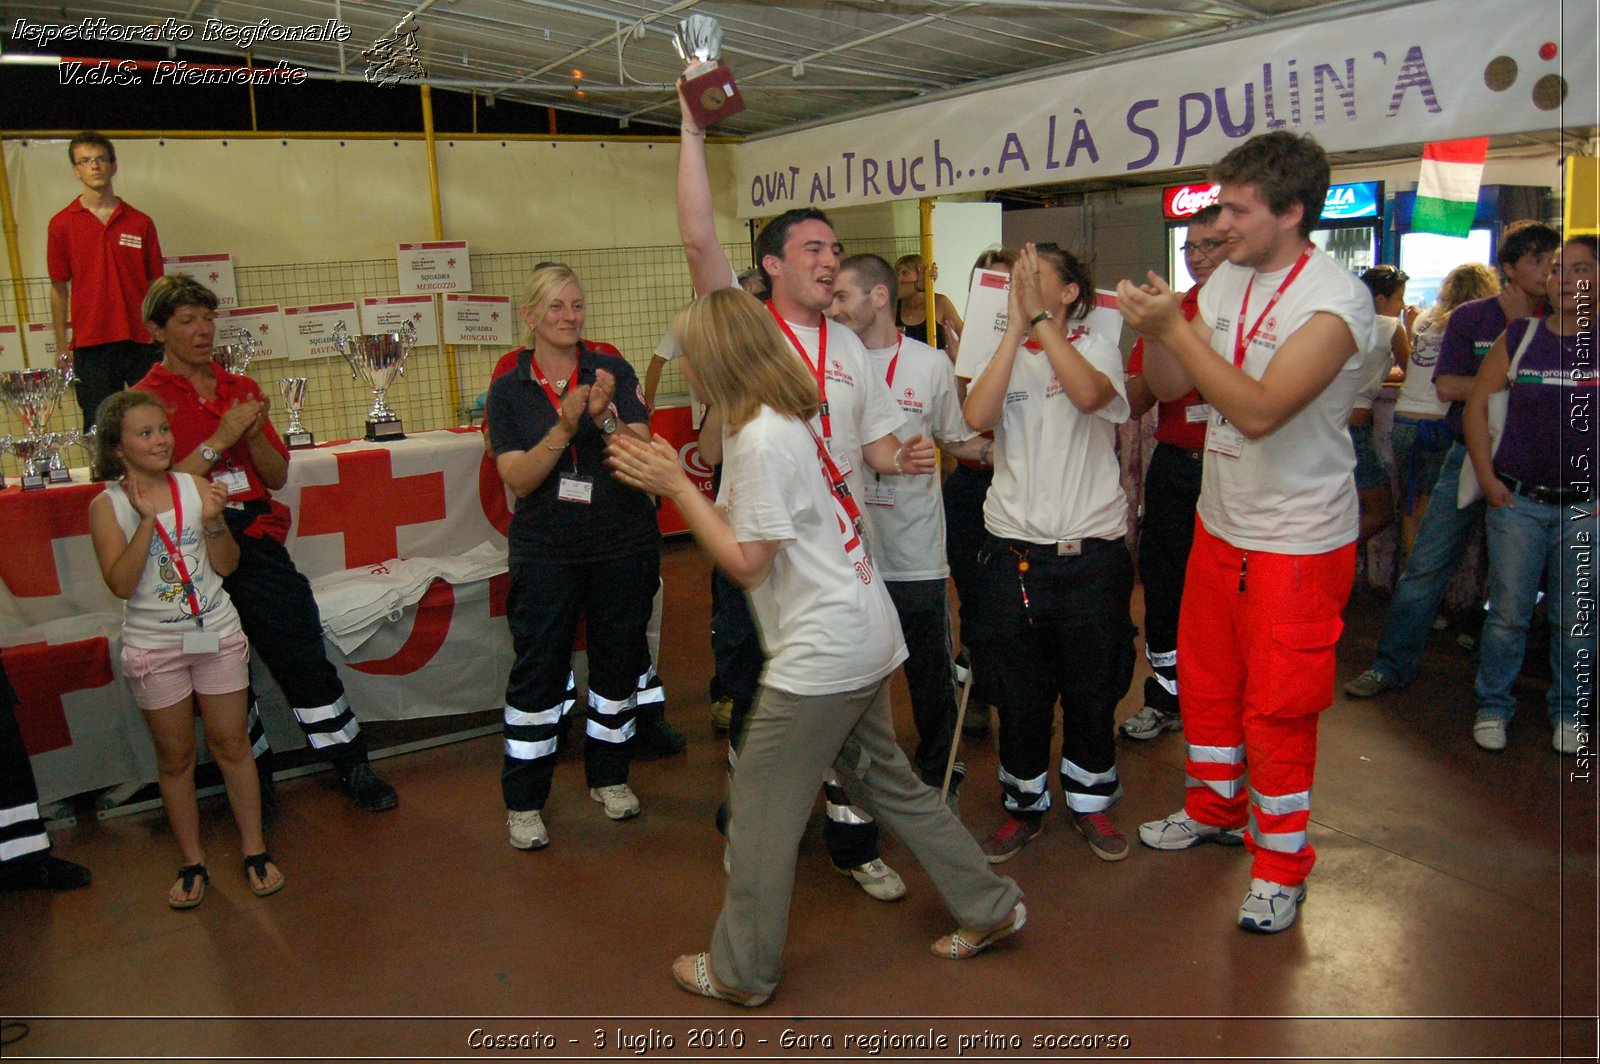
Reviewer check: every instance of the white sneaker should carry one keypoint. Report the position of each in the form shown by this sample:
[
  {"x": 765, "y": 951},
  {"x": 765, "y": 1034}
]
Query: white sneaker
[
  {"x": 1489, "y": 733},
  {"x": 1565, "y": 739},
  {"x": 1150, "y": 722},
  {"x": 877, "y": 879},
  {"x": 620, "y": 801},
  {"x": 527, "y": 829},
  {"x": 1181, "y": 831},
  {"x": 1270, "y": 906}
]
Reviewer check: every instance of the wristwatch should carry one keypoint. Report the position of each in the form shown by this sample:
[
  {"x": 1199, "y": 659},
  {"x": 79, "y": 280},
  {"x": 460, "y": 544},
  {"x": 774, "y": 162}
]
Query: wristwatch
[
  {"x": 1043, "y": 315},
  {"x": 209, "y": 453},
  {"x": 609, "y": 425}
]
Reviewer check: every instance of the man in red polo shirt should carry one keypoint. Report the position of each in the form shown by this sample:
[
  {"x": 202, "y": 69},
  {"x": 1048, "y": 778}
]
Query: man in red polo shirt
[
  {"x": 1171, "y": 492},
  {"x": 102, "y": 256}
]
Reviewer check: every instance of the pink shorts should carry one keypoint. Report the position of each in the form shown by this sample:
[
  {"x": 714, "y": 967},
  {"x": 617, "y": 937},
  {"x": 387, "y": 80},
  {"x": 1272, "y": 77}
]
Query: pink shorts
[{"x": 162, "y": 678}]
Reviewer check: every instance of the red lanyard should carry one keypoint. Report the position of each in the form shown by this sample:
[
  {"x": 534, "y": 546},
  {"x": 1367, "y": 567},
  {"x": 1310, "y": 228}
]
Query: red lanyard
[
  {"x": 840, "y": 489},
  {"x": 900, "y": 338},
  {"x": 1241, "y": 340},
  {"x": 819, "y": 369},
  {"x": 177, "y": 555},
  {"x": 555, "y": 399}
]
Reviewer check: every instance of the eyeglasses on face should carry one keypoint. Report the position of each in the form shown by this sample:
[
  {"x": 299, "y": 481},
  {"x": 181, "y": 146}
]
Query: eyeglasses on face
[
  {"x": 96, "y": 160},
  {"x": 1208, "y": 246}
]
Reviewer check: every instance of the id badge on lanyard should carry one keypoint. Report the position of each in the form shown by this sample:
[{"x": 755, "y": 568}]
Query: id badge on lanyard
[{"x": 233, "y": 478}]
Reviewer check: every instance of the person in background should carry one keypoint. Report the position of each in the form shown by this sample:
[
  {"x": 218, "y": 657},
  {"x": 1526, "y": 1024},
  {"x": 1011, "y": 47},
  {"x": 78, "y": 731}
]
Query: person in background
[
  {"x": 163, "y": 549},
  {"x": 1390, "y": 347},
  {"x": 1524, "y": 259},
  {"x": 580, "y": 542},
  {"x": 26, "y": 862},
  {"x": 1420, "y": 438},
  {"x": 102, "y": 254},
  {"x": 1276, "y": 350},
  {"x": 906, "y": 515},
  {"x": 651, "y": 726},
  {"x": 791, "y": 535},
  {"x": 911, "y": 306},
  {"x": 1054, "y": 575},
  {"x": 1539, "y": 486},
  {"x": 965, "y": 489},
  {"x": 1171, "y": 492},
  {"x": 221, "y": 432}
]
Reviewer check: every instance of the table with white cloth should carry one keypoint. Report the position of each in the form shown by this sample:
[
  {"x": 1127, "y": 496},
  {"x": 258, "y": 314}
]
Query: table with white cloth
[{"x": 434, "y": 639}]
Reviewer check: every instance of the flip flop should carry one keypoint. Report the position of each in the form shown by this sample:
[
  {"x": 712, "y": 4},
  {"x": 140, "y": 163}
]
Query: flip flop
[
  {"x": 188, "y": 874},
  {"x": 257, "y": 863},
  {"x": 965, "y": 942},
  {"x": 698, "y": 981}
]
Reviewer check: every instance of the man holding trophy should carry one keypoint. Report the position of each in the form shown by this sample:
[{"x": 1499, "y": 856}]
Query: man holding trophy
[{"x": 220, "y": 430}]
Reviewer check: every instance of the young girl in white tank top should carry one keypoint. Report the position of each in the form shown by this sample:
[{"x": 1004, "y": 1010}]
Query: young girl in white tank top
[{"x": 163, "y": 549}]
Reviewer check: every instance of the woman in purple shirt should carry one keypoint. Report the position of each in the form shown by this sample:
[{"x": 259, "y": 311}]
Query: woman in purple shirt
[{"x": 1539, "y": 484}]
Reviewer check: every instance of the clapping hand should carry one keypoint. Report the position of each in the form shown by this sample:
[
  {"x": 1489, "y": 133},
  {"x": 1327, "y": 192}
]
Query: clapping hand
[
  {"x": 242, "y": 418},
  {"x": 213, "y": 500},
  {"x": 1149, "y": 308},
  {"x": 601, "y": 393},
  {"x": 651, "y": 467}
]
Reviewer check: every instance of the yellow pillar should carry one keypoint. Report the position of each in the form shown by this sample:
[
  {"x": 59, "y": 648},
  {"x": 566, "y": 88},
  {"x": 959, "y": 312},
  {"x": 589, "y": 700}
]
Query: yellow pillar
[
  {"x": 19, "y": 292},
  {"x": 438, "y": 234}
]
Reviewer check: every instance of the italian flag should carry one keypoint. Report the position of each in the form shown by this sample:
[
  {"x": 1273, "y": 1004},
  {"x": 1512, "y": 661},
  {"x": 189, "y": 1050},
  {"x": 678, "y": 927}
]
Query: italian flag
[{"x": 1447, "y": 192}]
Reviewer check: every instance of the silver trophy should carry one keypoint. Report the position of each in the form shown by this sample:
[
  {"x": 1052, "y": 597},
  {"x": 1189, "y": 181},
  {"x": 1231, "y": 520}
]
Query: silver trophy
[
  {"x": 376, "y": 358},
  {"x": 708, "y": 86},
  {"x": 32, "y": 394},
  {"x": 235, "y": 356},
  {"x": 294, "y": 397},
  {"x": 5, "y": 445}
]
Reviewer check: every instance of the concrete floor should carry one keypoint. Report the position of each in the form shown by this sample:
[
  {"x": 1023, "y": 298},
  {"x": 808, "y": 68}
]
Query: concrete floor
[{"x": 1452, "y": 914}]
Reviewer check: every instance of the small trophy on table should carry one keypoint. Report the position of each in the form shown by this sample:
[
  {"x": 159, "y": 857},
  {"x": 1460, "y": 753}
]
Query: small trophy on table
[
  {"x": 32, "y": 394},
  {"x": 376, "y": 358},
  {"x": 708, "y": 85},
  {"x": 296, "y": 435},
  {"x": 235, "y": 356}
]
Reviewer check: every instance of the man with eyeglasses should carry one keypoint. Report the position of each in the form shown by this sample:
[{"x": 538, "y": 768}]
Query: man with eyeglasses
[
  {"x": 1171, "y": 492},
  {"x": 102, "y": 256}
]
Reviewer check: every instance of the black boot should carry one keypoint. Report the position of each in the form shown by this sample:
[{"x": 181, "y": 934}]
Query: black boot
[{"x": 656, "y": 735}]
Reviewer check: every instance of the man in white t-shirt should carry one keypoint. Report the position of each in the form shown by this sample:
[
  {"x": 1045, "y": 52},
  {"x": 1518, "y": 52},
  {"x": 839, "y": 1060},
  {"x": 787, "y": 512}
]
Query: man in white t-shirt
[
  {"x": 905, "y": 515},
  {"x": 798, "y": 254},
  {"x": 1276, "y": 350}
]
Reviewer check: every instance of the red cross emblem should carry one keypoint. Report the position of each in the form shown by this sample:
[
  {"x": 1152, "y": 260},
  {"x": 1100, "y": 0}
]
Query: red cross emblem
[
  {"x": 263, "y": 328},
  {"x": 214, "y": 275},
  {"x": 451, "y": 263},
  {"x": 41, "y": 674},
  {"x": 494, "y": 315},
  {"x": 368, "y": 504},
  {"x": 34, "y": 521}
]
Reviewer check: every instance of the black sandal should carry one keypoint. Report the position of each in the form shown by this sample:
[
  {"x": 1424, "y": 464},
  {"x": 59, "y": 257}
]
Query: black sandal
[
  {"x": 257, "y": 863},
  {"x": 187, "y": 875}
]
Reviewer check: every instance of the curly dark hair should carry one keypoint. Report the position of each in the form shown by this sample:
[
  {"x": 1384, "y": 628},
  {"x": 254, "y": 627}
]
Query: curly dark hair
[{"x": 108, "y": 429}]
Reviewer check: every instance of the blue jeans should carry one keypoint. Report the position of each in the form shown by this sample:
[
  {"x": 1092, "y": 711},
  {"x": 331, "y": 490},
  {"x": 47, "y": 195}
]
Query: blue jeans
[
  {"x": 1441, "y": 539},
  {"x": 1529, "y": 541}
]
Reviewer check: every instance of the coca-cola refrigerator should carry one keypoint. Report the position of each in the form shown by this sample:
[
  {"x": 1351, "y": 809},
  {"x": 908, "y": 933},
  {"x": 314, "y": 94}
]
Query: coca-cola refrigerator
[{"x": 1351, "y": 230}]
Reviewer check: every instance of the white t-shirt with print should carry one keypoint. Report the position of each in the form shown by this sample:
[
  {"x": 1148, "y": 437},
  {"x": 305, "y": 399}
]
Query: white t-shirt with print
[
  {"x": 1417, "y": 396},
  {"x": 158, "y": 614},
  {"x": 825, "y": 618},
  {"x": 860, "y": 409},
  {"x": 1055, "y": 468},
  {"x": 1291, "y": 491},
  {"x": 905, "y": 514}
]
